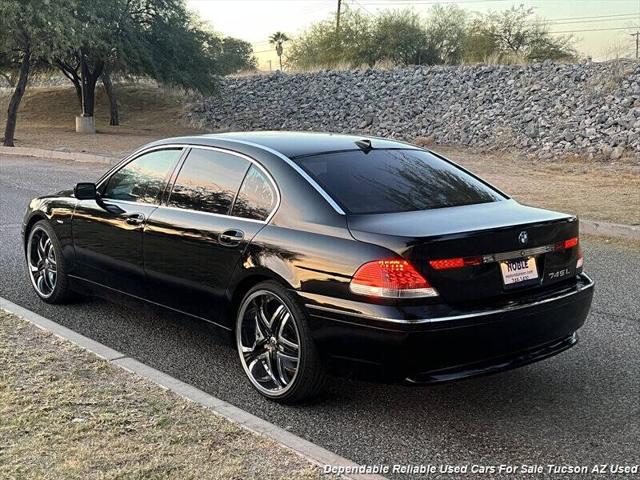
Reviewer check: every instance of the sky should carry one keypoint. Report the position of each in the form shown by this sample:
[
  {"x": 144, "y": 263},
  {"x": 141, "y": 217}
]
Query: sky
[{"x": 601, "y": 28}]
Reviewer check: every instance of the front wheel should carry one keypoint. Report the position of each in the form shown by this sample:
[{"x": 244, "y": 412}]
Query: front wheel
[
  {"x": 46, "y": 264},
  {"x": 275, "y": 347}
]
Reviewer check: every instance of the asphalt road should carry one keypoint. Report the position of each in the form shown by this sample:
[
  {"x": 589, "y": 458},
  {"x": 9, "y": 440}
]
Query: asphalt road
[{"x": 579, "y": 408}]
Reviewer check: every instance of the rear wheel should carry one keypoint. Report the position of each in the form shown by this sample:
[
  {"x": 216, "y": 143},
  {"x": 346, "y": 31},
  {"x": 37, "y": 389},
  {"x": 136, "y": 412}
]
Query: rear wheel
[
  {"x": 275, "y": 346},
  {"x": 46, "y": 264}
]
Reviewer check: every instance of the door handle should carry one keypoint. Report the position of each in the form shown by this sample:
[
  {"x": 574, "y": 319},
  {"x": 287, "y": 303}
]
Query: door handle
[
  {"x": 135, "y": 219},
  {"x": 231, "y": 238}
]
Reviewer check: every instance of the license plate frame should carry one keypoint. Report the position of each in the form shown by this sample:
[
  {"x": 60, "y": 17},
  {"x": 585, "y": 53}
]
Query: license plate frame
[{"x": 516, "y": 274}]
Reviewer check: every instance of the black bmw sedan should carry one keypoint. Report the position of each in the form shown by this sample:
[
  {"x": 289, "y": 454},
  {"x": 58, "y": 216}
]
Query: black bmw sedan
[{"x": 321, "y": 253}]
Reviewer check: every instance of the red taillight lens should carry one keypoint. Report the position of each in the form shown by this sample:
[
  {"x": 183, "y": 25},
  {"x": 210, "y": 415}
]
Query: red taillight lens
[
  {"x": 458, "y": 262},
  {"x": 570, "y": 243},
  {"x": 566, "y": 244},
  {"x": 390, "y": 279}
]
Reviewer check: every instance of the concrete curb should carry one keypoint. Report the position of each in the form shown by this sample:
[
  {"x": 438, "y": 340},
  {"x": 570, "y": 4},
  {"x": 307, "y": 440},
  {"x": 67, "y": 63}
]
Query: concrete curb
[
  {"x": 589, "y": 227},
  {"x": 618, "y": 230},
  {"x": 310, "y": 451},
  {"x": 58, "y": 155}
]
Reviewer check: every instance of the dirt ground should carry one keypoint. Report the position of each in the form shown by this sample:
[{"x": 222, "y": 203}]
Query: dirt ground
[
  {"x": 64, "y": 413},
  {"x": 591, "y": 189},
  {"x": 46, "y": 119}
]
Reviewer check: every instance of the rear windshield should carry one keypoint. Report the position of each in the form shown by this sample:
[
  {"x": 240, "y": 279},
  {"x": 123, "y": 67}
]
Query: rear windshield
[{"x": 387, "y": 181}]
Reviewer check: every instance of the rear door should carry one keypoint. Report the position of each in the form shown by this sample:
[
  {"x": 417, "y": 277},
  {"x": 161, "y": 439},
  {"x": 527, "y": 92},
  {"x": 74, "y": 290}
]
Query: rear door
[
  {"x": 220, "y": 200},
  {"x": 108, "y": 244}
]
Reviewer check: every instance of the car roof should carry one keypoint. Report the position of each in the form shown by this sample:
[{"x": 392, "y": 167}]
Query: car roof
[{"x": 294, "y": 144}]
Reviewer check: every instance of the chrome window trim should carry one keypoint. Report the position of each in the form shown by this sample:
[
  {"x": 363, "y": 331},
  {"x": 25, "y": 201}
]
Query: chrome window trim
[
  {"x": 132, "y": 156},
  {"x": 297, "y": 168},
  {"x": 188, "y": 147},
  {"x": 222, "y": 215},
  {"x": 421, "y": 321},
  {"x": 110, "y": 200}
]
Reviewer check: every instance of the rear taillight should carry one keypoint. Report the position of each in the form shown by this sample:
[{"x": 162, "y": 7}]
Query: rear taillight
[
  {"x": 458, "y": 262},
  {"x": 566, "y": 244},
  {"x": 390, "y": 279}
]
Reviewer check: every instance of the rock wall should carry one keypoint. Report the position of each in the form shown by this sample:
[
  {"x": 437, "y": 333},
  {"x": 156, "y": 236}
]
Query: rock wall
[{"x": 550, "y": 110}]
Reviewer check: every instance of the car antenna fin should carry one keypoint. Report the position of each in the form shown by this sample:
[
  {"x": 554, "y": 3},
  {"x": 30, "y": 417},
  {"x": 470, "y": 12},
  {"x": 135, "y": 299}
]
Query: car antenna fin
[{"x": 364, "y": 145}]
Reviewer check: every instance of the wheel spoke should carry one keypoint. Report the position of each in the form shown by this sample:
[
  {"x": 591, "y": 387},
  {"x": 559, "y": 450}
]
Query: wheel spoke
[
  {"x": 51, "y": 278},
  {"x": 253, "y": 351},
  {"x": 281, "y": 338},
  {"x": 40, "y": 249},
  {"x": 262, "y": 330},
  {"x": 271, "y": 367},
  {"x": 277, "y": 317},
  {"x": 261, "y": 316},
  {"x": 41, "y": 283}
]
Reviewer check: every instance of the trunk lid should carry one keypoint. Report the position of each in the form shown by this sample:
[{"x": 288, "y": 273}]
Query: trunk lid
[{"x": 491, "y": 231}]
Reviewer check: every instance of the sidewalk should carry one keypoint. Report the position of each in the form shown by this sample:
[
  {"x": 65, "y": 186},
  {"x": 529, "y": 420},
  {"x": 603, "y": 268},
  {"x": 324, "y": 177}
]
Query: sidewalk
[{"x": 67, "y": 413}]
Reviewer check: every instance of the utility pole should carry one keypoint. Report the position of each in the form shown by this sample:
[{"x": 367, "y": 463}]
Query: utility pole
[
  {"x": 269, "y": 64},
  {"x": 338, "y": 17},
  {"x": 637, "y": 35}
]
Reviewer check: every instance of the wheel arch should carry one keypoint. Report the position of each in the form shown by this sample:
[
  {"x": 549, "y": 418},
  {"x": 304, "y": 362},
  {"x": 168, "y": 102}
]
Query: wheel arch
[
  {"x": 246, "y": 283},
  {"x": 35, "y": 218}
]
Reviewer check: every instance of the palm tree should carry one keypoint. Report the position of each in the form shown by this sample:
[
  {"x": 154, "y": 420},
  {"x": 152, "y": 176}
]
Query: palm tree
[{"x": 278, "y": 40}]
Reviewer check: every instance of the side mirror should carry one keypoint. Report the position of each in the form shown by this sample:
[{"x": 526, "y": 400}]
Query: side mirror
[{"x": 85, "y": 191}]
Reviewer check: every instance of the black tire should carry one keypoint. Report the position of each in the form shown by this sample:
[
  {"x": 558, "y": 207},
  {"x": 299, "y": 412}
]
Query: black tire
[
  {"x": 61, "y": 291},
  {"x": 309, "y": 377}
]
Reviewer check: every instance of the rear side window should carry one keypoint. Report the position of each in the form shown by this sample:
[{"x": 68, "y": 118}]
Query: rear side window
[
  {"x": 386, "y": 181},
  {"x": 143, "y": 179},
  {"x": 256, "y": 198},
  {"x": 208, "y": 181}
]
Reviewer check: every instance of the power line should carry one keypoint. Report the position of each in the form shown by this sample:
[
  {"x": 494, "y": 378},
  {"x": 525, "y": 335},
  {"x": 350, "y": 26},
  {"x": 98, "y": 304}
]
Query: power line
[
  {"x": 570, "y": 22},
  {"x": 632, "y": 14},
  {"x": 595, "y": 30}
]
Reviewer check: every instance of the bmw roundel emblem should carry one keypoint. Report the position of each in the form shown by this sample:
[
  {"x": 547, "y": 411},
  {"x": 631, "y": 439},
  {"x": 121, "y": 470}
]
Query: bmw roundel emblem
[{"x": 523, "y": 238}]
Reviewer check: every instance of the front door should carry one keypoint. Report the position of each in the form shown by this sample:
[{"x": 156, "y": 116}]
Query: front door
[{"x": 107, "y": 234}]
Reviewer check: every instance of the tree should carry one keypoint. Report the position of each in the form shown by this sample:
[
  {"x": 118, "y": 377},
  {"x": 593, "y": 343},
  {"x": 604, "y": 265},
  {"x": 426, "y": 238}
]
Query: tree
[
  {"x": 230, "y": 55},
  {"x": 322, "y": 46},
  {"x": 514, "y": 34},
  {"x": 159, "y": 39},
  {"x": 446, "y": 32},
  {"x": 31, "y": 32},
  {"x": 399, "y": 36},
  {"x": 278, "y": 39}
]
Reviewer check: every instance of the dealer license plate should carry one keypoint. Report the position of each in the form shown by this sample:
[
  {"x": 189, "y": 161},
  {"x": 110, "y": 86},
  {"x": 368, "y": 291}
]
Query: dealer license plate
[{"x": 519, "y": 270}]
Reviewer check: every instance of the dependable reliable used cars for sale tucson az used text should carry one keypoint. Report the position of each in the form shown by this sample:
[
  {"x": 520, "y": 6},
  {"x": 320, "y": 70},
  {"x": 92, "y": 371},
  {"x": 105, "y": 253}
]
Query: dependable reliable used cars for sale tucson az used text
[{"x": 321, "y": 253}]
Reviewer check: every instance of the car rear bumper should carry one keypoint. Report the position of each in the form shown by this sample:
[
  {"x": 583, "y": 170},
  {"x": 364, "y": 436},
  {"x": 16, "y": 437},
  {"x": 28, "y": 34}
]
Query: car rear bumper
[{"x": 435, "y": 343}]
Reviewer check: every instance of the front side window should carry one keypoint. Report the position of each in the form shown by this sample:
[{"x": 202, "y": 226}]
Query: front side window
[
  {"x": 208, "y": 181},
  {"x": 387, "y": 181},
  {"x": 143, "y": 179},
  {"x": 256, "y": 198}
]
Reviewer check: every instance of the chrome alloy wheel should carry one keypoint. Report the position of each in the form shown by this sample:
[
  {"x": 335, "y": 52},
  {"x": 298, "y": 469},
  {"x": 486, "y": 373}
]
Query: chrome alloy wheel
[
  {"x": 41, "y": 258},
  {"x": 268, "y": 342}
]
